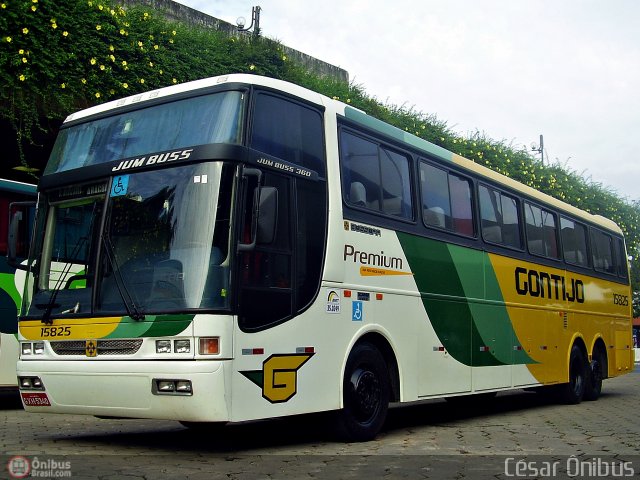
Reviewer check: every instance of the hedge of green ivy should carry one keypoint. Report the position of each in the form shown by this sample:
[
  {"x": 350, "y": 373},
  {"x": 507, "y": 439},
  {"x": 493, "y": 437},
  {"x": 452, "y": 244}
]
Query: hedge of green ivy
[{"x": 57, "y": 57}]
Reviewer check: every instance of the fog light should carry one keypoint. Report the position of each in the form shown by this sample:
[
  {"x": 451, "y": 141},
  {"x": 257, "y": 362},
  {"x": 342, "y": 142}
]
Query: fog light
[
  {"x": 38, "y": 348},
  {"x": 26, "y": 349},
  {"x": 209, "y": 346},
  {"x": 183, "y": 386},
  {"x": 163, "y": 346},
  {"x": 30, "y": 383},
  {"x": 166, "y": 386},
  {"x": 182, "y": 346}
]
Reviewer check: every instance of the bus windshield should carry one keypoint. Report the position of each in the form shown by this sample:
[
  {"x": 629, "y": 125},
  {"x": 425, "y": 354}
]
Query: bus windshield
[
  {"x": 163, "y": 248},
  {"x": 207, "y": 119}
]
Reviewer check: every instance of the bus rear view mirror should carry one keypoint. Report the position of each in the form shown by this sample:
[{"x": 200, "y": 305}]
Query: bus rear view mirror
[
  {"x": 21, "y": 216},
  {"x": 267, "y": 215}
]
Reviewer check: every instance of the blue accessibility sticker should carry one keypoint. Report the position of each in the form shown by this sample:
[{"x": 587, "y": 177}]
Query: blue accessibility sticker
[
  {"x": 356, "y": 311},
  {"x": 120, "y": 185}
]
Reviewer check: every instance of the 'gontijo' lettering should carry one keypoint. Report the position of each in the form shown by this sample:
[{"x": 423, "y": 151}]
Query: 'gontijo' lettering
[{"x": 548, "y": 285}]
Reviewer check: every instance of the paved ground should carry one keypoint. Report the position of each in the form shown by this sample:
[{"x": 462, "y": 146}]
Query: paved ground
[{"x": 431, "y": 440}]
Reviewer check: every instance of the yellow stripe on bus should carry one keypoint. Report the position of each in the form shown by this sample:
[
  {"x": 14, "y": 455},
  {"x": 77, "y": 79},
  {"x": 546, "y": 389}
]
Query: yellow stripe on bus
[{"x": 69, "y": 329}]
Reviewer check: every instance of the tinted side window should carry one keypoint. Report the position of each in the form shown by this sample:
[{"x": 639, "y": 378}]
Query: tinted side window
[
  {"x": 541, "y": 231},
  {"x": 289, "y": 131},
  {"x": 446, "y": 200},
  {"x": 623, "y": 266},
  {"x": 375, "y": 177},
  {"x": 574, "y": 242},
  {"x": 500, "y": 218},
  {"x": 602, "y": 246}
]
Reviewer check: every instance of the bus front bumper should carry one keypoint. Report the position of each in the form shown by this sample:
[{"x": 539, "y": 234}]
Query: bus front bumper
[{"x": 140, "y": 389}]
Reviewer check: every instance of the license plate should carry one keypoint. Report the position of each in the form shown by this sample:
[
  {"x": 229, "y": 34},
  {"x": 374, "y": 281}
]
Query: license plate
[{"x": 35, "y": 399}]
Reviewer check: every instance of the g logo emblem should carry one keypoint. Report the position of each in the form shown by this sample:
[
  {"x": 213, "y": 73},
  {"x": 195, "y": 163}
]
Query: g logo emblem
[{"x": 279, "y": 376}]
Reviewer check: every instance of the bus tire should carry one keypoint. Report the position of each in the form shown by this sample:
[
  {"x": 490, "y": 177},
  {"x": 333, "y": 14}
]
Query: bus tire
[
  {"x": 594, "y": 377},
  {"x": 572, "y": 392},
  {"x": 366, "y": 393}
]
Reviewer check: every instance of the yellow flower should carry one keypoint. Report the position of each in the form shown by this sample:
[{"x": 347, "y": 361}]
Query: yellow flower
[
  {"x": 100, "y": 7},
  {"x": 25, "y": 30},
  {"x": 102, "y": 67},
  {"x": 125, "y": 85},
  {"x": 24, "y": 60},
  {"x": 111, "y": 48},
  {"x": 173, "y": 33},
  {"x": 151, "y": 64},
  {"x": 4, "y": 5},
  {"x": 54, "y": 25},
  {"x": 92, "y": 61},
  {"x": 284, "y": 58},
  {"x": 155, "y": 47},
  {"x": 8, "y": 39},
  {"x": 252, "y": 67},
  {"x": 63, "y": 85},
  {"x": 124, "y": 63},
  {"x": 97, "y": 94},
  {"x": 65, "y": 34},
  {"x": 33, "y": 8},
  {"x": 142, "y": 80},
  {"x": 171, "y": 40},
  {"x": 84, "y": 81},
  {"x": 22, "y": 77},
  {"x": 113, "y": 59},
  {"x": 21, "y": 51},
  {"x": 122, "y": 32},
  {"x": 98, "y": 27},
  {"x": 175, "y": 81},
  {"x": 139, "y": 44},
  {"x": 161, "y": 72}
]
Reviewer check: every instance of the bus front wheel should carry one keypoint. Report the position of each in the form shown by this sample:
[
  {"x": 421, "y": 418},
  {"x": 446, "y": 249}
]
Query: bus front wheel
[{"x": 366, "y": 393}]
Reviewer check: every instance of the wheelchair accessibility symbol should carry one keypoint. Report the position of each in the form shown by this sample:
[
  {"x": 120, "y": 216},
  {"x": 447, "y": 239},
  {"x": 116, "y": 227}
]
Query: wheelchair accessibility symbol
[
  {"x": 356, "y": 311},
  {"x": 120, "y": 186}
]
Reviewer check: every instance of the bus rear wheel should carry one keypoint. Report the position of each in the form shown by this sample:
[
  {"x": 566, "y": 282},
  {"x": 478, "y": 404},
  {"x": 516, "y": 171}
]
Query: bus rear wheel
[
  {"x": 573, "y": 392},
  {"x": 595, "y": 376},
  {"x": 366, "y": 393}
]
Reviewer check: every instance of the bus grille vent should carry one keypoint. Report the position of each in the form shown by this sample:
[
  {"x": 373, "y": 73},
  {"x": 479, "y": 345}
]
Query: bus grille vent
[{"x": 105, "y": 347}]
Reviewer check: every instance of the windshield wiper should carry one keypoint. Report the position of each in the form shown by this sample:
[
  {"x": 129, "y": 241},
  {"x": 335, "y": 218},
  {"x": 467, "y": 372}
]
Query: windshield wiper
[
  {"x": 51, "y": 304},
  {"x": 132, "y": 309}
]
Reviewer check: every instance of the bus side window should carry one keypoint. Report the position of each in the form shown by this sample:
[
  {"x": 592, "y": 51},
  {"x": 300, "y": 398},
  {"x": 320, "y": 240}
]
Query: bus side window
[
  {"x": 500, "y": 218},
  {"x": 375, "y": 177},
  {"x": 288, "y": 130}
]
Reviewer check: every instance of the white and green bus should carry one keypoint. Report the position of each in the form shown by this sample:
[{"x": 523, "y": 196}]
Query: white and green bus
[
  {"x": 241, "y": 248},
  {"x": 11, "y": 281}
]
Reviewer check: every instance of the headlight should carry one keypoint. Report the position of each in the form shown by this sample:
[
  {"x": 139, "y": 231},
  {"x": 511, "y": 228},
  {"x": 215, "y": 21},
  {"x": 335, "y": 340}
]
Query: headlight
[
  {"x": 163, "y": 346},
  {"x": 182, "y": 346},
  {"x": 27, "y": 349},
  {"x": 38, "y": 348}
]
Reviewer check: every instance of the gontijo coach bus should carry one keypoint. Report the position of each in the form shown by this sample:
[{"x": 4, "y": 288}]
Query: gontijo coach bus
[{"x": 240, "y": 248}]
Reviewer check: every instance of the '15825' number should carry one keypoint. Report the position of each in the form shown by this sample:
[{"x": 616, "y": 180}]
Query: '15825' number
[{"x": 55, "y": 331}]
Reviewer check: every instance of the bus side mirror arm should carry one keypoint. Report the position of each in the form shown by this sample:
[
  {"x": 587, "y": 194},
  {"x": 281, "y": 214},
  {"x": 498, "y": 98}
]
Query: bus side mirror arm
[{"x": 16, "y": 212}]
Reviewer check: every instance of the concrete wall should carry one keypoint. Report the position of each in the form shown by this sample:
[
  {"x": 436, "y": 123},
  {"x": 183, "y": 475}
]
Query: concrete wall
[{"x": 178, "y": 12}]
